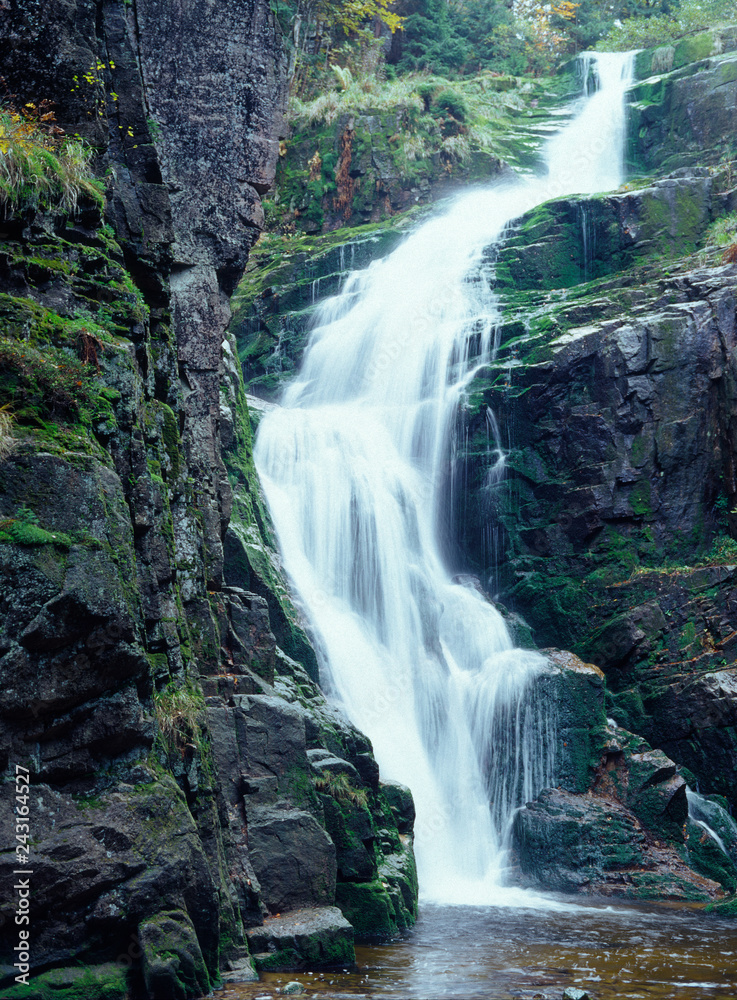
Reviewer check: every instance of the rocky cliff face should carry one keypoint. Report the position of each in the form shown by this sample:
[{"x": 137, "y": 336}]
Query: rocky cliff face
[
  {"x": 187, "y": 778},
  {"x": 612, "y": 532}
]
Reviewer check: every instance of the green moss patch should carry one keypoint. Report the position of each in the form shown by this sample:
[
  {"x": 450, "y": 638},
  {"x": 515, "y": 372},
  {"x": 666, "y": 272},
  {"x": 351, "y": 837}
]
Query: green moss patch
[{"x": 103, "y": 982}]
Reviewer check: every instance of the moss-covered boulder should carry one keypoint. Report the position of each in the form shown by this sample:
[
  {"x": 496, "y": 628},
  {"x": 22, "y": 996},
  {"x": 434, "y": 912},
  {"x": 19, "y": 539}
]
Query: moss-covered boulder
[
  {"x": 683, "y": 106},
  {"x": 565, "y": 243},
  {"x": 581, "y": 844},
  {"x": 627, "y": 834},
  {"x": 172, "y": 961}
]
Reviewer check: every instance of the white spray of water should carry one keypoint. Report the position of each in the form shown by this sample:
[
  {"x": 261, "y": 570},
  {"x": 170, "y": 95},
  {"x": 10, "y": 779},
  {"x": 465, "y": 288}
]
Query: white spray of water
[{"x": 353, "y": 464}]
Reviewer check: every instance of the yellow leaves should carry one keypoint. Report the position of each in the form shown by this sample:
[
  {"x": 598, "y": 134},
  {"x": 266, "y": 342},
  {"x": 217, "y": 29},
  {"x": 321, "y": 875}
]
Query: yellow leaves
[
  {"x": 565, "y": 9},
  {"x": 547, "y": 39},
  {"x": 351, "y": 15}
]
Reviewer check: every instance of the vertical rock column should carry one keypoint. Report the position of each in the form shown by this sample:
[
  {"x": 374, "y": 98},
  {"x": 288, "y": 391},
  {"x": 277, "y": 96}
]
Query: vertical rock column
[{"x": 215, "y": 85}]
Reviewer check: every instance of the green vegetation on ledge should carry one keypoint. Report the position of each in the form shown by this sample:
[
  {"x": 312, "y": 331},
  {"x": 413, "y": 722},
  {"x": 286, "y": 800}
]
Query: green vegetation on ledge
[{"x": 39, "y": 168}]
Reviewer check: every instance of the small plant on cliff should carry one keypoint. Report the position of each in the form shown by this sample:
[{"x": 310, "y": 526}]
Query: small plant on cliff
[
  {"x": 722, "y": 235},
  {"x": 453, "y": 103},
  {"x": 339, "y": 787},
  {"x": 39, "y": 166},
  {"x": 357, "y": 96},
  {"x": 178, "y": 712},
  {"x": 45, "y": 382}
]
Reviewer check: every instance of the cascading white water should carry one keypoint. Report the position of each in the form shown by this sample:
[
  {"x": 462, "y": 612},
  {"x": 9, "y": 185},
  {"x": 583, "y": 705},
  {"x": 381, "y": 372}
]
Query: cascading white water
[{"x": 353, "y": 464}]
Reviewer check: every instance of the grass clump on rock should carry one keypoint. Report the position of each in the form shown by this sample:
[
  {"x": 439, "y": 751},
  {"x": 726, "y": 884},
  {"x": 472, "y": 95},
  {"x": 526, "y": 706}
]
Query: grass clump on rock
[
  {"x": 339, "y": 787},
  {"x": 39, "y": 166}
]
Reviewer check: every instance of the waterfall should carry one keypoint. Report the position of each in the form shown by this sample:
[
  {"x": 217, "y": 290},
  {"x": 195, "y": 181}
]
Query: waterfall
[{"x": 354, "y": 464}]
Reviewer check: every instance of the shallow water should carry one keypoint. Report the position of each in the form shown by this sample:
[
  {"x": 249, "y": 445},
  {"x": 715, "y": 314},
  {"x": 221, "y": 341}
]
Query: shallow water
[{"x": 652, "y": 952}]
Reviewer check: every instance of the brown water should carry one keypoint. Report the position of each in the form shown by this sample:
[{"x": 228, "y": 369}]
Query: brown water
[{"x": 487, "y": 953}]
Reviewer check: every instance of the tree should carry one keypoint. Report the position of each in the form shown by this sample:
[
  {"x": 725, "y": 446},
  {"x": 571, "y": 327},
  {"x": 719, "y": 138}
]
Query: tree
[{"x": 312, "y": 28}]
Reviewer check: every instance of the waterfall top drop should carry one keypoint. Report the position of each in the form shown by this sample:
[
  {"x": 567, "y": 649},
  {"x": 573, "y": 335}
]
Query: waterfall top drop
[{"x": 353, "y": 465}]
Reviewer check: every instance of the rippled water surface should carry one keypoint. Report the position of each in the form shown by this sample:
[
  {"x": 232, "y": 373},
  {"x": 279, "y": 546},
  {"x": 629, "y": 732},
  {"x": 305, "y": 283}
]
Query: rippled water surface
[{"x": 470, "y": 953}]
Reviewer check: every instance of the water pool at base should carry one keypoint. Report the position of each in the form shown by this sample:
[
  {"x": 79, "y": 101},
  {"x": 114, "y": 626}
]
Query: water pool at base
[{"x": 611, "y": 950}]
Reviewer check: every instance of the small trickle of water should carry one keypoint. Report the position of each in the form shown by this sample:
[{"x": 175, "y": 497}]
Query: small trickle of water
[
  {"x": 354, "y": 464},
  {"x": 715, "y": 821}
]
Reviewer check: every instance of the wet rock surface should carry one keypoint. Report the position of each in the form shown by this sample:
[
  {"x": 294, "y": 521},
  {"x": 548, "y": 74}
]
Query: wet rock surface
[
  {"x": 611, "y": 533},
  {"x": 618, "y": 821},
  {"x": 684, "y": 102},
  {"x": 188, "y": 777},
  {"x": 306, "y": 938}
]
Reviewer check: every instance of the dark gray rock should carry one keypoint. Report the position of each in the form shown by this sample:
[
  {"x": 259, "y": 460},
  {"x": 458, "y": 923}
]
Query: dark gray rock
[
  {"x": 306, "y": 938},
  {"x": 351, "y": 829},
  {"x": 324, "y": 762},
  {"x": 563, "y": 243},
  {"x": 275, "y": 743},
  {"x": 681, "y": 111},
  {"x": 293, "y": 857},
  {"x": 401, "y": 804},
  {"x": 589, "y": 844}
]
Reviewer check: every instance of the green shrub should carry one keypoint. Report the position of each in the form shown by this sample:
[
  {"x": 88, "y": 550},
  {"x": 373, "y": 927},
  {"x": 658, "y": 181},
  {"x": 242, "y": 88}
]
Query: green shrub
[
  {"x": 453, "y": 104},
  {"x": 357, "y": 96},
  {"x": 426, "y": 90},
  {"x": 723, "y": 232},
  {"x": 48, "y": 382}
]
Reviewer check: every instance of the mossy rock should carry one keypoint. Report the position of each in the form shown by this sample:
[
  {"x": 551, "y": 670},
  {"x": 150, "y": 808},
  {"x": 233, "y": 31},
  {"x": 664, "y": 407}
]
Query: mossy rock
[
  {"x": 368, "y": 907},
  {"x": 173, "y": 965},
  {"x": 96, "y": 982},
  {"x": 724, "y": 908},
  {"x": 705, "y": 856},
  {"x": 307, "y": 938}
]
